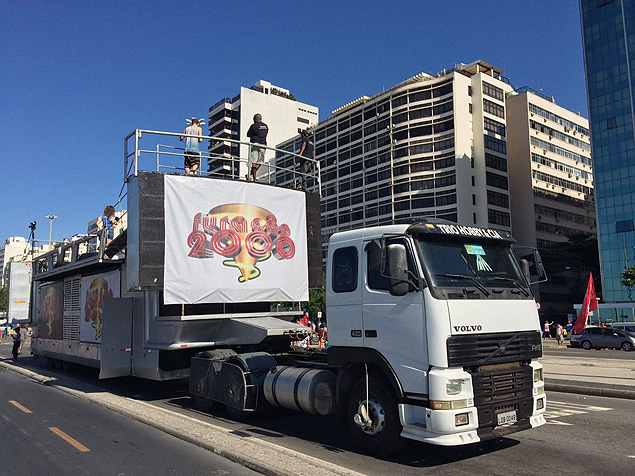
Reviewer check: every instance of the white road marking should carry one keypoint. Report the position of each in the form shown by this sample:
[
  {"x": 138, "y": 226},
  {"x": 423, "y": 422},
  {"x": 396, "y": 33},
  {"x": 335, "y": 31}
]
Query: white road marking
[{"x": 562, "y": 409}]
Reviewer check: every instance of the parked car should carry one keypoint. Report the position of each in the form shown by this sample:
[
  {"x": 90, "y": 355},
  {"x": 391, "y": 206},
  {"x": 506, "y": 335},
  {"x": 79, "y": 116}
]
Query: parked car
[
  {"x": 624, "y": 326},
  {"x": 600, "y": 337}
]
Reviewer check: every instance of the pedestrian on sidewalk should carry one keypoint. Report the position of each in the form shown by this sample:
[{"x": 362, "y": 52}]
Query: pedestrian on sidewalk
[
  {"x": 559, "y": 334},
  {"x": 17, "y": 341},
  {"x": 547, "y": 334}
]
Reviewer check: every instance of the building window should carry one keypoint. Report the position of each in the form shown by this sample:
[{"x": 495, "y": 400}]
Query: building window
[
  {"x": 469, "y": 90},
  {"x": 496, "y": 145},
  {"x": 494, "y": 126},
  {"x": 624, "y": 226},
  {"x": 611, "y": 123},
  {"x": 495, "y": 162},
  {"x": 473, "y": 199},
  {"x": 492, "y": 91},
  {"x": 496, "y": 217},
  {"x": 497, "y": 199},
  {"x": 495, "y": 180},
  {"x": 470, "y": 107},
  {"x": 474, "y": 218},
  {"x": 493, "y": 108}
]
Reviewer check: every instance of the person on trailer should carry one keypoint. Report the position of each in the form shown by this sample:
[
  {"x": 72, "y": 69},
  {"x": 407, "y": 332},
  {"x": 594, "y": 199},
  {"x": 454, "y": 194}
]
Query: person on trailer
[
  {"x": 257, "y": 134},
  {"x": 108, "y": 221},
  {"x": 306, "y": 150},
  {"x": 192, "y": 152}
]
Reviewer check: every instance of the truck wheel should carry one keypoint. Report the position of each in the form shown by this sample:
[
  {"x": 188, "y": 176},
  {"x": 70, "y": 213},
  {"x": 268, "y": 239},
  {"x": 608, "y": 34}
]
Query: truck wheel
[
  {"x": 203, "y": 404},
  {"x": 586, "y": 345},
  {"x": 256, "y": 365},
  {"x": 58, "y": 364},
  {"x": 380, "y": 435},
  {"x": 206, "y": 404}
]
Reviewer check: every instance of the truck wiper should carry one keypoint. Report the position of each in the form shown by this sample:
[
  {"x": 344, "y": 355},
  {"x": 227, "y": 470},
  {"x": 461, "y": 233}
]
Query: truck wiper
[
  {"x": 471, "y": 279},
  {"x": 515, "y": 282}
]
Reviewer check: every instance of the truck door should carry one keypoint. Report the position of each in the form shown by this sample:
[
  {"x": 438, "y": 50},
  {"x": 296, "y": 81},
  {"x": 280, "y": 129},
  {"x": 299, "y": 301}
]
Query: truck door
[
  {"x": 394, "y": 325},
  {"x": 116, "y": 338}
]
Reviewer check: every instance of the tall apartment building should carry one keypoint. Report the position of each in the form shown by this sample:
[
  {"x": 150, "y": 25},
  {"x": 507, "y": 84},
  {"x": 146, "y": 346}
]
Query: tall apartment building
[
  {"x": 608, "y": 33},
  {"x": 551, "y": 185},
  {"x": 231, "y": 118},
  {"x": 429, "y": 146}
]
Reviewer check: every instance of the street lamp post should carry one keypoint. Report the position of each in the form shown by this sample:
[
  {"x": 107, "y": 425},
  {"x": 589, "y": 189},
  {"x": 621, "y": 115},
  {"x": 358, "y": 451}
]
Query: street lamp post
[{"x": 51, "y": 218}]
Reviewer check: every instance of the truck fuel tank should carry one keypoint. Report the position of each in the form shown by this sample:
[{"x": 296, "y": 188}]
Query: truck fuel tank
[{"x": 299, "y": 388}]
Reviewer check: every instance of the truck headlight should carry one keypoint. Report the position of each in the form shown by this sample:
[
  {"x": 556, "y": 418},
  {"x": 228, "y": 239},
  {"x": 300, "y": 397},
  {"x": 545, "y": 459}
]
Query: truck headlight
[
  {"x": 454, "y": 386},
  {"x": 538, "y": 375}
]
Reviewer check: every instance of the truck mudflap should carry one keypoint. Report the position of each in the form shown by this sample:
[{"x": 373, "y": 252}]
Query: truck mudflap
[{"x": 235, "y": 382}]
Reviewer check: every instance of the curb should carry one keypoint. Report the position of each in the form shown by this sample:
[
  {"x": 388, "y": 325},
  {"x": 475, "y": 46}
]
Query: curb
[
  {"x": 596, "y": 392},
  {"x": 242, "y": 448}
]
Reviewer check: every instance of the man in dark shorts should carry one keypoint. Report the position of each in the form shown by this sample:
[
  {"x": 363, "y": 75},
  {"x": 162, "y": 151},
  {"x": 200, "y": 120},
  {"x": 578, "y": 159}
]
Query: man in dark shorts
[
  {"x": 257, "y": 134},
  {"x": 192, "y": 153}
]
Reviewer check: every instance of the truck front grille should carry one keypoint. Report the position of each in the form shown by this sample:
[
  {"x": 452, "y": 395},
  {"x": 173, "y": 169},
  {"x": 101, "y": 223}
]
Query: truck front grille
[
  {"x": 480, "y": 349},
  {"x": 501, "y": 389}
]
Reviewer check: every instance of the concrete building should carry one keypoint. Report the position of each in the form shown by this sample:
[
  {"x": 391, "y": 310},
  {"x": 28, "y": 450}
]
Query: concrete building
[
  {"x": 608, "y": 33},
  {"x": 551, "y": 185},
  {"x": 231, "y": 118},
  {"x": 18, "y": 248},
  {"x": 429, "y": 146}
]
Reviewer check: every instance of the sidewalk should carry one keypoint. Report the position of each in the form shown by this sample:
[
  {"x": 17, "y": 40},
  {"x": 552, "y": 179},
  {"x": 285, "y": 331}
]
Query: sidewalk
[{"x": 589, "y": 375}]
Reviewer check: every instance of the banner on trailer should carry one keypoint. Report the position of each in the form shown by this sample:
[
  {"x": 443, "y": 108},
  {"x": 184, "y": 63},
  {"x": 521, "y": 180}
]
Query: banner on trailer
[
  {"x": 51, "y": 311},
  {"x": 94, "y": 290},
  {"x": 232, "y": 241}
]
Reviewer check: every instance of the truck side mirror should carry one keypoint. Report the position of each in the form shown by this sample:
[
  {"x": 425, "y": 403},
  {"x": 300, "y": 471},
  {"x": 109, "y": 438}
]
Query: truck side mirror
[
  {"x": 540, "y": 269},
  {"x": 397, "y": 265}
]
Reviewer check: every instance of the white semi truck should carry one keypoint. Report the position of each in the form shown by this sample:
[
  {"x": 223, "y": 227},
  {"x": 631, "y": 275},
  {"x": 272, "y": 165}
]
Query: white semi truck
[{"x": 433, "y": 335}]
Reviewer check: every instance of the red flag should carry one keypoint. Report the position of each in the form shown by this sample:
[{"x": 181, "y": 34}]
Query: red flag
[{"x": 590, "y": 303}]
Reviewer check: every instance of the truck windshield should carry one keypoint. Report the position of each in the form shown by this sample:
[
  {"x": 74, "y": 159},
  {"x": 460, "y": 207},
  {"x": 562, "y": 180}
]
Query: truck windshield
[{"x": 468, "y": 262}]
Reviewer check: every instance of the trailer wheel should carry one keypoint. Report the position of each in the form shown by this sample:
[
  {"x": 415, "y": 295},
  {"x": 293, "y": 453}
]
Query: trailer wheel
[
  {"x": 50, "y": 362},
  {"x": 379, "y": 433}
]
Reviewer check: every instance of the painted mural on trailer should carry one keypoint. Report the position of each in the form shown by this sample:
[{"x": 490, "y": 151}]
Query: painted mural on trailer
[
  {"x": 51, "y": 307},
  {"x": 231, "y": 241},
  {"x": 96, "y": 289}
]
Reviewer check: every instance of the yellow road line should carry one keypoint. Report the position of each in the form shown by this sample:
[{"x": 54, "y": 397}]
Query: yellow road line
[
  {"x": 21, "y": 407},
  {"x": 68, "y": 439}
]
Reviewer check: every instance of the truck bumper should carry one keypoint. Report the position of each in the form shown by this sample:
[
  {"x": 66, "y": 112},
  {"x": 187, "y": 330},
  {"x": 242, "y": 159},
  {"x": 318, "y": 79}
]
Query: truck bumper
[{"x": 438, "y": 427}]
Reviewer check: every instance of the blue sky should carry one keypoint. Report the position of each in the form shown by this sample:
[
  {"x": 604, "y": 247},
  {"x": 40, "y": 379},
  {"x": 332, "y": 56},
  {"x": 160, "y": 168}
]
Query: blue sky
[{"x": 78, "y": 76}]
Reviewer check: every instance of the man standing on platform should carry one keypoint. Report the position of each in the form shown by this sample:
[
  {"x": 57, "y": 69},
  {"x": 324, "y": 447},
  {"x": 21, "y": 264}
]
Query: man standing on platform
[{"x": 257, "y": 134}]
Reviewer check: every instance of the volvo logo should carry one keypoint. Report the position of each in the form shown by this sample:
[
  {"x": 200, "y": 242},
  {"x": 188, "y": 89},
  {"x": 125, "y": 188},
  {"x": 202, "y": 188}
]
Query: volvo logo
[{"x": 477, "y": 328}]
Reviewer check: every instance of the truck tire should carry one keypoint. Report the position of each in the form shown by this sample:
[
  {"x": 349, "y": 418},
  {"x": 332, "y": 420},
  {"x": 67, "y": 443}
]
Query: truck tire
[
  {"x": 255, "y": 363},
  {"x": 382, "y": 437}
]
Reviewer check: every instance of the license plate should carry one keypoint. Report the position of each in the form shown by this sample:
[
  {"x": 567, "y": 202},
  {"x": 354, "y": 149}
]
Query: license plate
[{"x": 507, "y": 418}]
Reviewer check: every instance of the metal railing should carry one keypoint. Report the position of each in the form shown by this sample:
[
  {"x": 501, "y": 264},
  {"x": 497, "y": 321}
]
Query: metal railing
[
  {"x": 88, "y": 248},
  {"x": 166, "y": 157}
]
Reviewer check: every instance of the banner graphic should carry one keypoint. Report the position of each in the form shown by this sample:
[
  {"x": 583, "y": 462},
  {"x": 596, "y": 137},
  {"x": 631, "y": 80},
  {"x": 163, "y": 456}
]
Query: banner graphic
[
  {"x": 233, "y": 241},
  {"x": 94, "y": 289}
]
